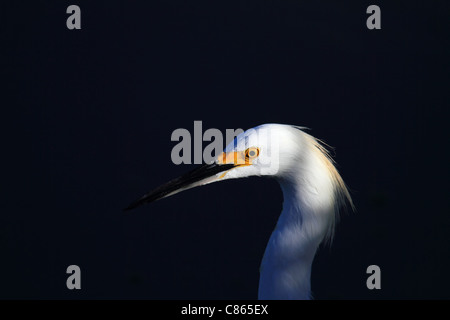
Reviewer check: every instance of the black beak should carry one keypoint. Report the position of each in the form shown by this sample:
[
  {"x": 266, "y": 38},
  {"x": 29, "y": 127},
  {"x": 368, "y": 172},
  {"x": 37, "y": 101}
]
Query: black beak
[{"x": 189, "y": 180}]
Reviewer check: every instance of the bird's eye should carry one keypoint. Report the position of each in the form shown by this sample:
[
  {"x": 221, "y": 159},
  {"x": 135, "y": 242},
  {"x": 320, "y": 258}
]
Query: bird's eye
[{"x": 251, "y": 153}]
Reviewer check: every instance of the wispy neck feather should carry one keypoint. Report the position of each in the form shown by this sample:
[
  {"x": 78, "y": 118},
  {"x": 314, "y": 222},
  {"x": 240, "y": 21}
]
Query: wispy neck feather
[
  {"x": 313, "y": 191},
  {"x": 321, "y": 183}
]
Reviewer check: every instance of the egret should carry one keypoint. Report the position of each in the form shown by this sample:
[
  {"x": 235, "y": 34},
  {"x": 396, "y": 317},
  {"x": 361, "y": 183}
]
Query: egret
[{"x": 313, "y": 193}]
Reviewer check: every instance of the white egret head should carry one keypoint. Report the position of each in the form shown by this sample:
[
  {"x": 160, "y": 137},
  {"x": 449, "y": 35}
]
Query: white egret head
[
  {"x": 312, "y": 189},
  {"x": 281, "y": 151}
]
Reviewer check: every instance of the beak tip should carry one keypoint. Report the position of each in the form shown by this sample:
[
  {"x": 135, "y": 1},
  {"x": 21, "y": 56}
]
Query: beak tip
[
  {"x": 131, "y": 207},
  {"x": 184, "y": 182}
]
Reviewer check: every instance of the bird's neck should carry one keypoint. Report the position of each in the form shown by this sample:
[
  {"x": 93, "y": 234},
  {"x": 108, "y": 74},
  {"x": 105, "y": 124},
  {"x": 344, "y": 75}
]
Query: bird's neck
[{"x": 304, "y": 222}]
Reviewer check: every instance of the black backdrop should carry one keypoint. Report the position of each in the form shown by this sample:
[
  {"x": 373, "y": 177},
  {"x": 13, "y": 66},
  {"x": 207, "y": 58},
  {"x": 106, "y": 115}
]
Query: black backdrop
[{"x": 87, "y": 117}]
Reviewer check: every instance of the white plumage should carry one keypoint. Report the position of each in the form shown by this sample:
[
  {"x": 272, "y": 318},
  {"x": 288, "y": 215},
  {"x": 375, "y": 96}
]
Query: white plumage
[{"x": 312, "y": 189}]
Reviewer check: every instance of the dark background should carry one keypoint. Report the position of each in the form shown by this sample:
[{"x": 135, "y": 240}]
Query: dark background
[{"x": 87, "y": 117}]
